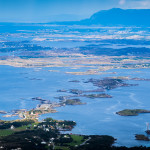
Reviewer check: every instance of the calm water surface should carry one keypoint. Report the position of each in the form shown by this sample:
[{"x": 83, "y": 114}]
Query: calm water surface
[{"x": 19, "y": 85}]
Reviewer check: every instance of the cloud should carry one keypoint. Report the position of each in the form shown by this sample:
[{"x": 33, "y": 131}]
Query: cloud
[
  {"x": 122, "y": 2},
  {"x": 139, "y": 4},
  {"x": 144, "y": 3}
]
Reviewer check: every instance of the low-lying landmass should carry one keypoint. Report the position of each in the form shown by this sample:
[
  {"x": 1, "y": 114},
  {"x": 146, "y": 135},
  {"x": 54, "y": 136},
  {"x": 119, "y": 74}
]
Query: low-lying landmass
[
  {"x": 30, "y": 134},
  {"x": 3, "y": 112},
  {"x": 47, "y": 135},
  {"x": 79, "y": 60},
  {"x": 73, "y": 102},
  {"x": 93, "y": 96},
  {"x": 77, "y": 91},
  {"x": 62, "y": 90},
  {"x": 109, "y": 83},
  {"x": 76, "y": 81},
  {"x": 45, "y": 106},
  {"x": 141, "y": 137},
  {"x": 103, "y": 95},
  {"x": 140, "y": 79},
  {"x": 132, "y": 112}
]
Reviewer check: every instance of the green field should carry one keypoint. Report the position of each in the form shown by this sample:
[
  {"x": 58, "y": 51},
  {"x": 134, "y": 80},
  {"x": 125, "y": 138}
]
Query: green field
[
  {"x": 77, "y": 140},
  {"x": 6, "y": 132},
  {"x": 62, "y": 148}
]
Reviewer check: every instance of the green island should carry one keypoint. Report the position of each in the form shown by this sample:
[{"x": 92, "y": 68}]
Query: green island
[
  {"x": 73, "y": 102},
  {"x": 132, "y": 112}
]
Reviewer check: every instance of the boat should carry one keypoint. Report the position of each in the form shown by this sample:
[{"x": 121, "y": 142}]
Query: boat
[{"x": 147, "y": 128}]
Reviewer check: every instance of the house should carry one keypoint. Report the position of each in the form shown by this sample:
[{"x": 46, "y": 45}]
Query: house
[
  {"x": 43, "y": 142},
  {"x": 12, "y": 127},
  {"x": 47, "y": 129}
]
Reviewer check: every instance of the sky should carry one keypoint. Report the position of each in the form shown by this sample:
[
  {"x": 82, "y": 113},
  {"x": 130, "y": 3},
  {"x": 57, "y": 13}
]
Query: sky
[{"x": 61, "y": 10}]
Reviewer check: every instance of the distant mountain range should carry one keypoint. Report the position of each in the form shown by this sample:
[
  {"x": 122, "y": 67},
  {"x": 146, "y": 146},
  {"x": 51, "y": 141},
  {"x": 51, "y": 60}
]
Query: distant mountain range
[{"x": 116, "y": 17}]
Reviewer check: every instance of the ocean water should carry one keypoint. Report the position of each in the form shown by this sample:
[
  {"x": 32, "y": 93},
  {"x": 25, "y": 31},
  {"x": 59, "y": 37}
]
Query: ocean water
[
  {"x": 99, "y": 115},
  {"x": 19, "y": 85}
]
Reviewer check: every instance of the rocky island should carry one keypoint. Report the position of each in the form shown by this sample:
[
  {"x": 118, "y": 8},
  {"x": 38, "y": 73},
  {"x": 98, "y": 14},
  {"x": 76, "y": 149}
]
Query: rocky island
[
  {"x": 132, "y": 112},
  {"x": 73, "y": 102},
  {"x": 93, "y": 96},
  {"x": 76, "y": 81},
  {"x": 78, "y": 92},
  {"x": 109, "y": 83},
  {"x": 141, "y": 137},
  {"x": 103, "y": 95}
]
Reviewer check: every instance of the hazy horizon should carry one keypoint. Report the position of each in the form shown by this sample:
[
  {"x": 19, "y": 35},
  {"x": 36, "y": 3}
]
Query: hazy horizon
[{"x": 60, "y": 10}]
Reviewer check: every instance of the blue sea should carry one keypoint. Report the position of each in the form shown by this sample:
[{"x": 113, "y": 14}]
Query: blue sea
[
  {"x": 98, "y": 116},
  {"x": 19, "y": 85}
]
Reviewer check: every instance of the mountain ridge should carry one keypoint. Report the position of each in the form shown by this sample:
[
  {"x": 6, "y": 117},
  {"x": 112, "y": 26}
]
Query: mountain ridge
[{"x": 115, "y": 17}]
